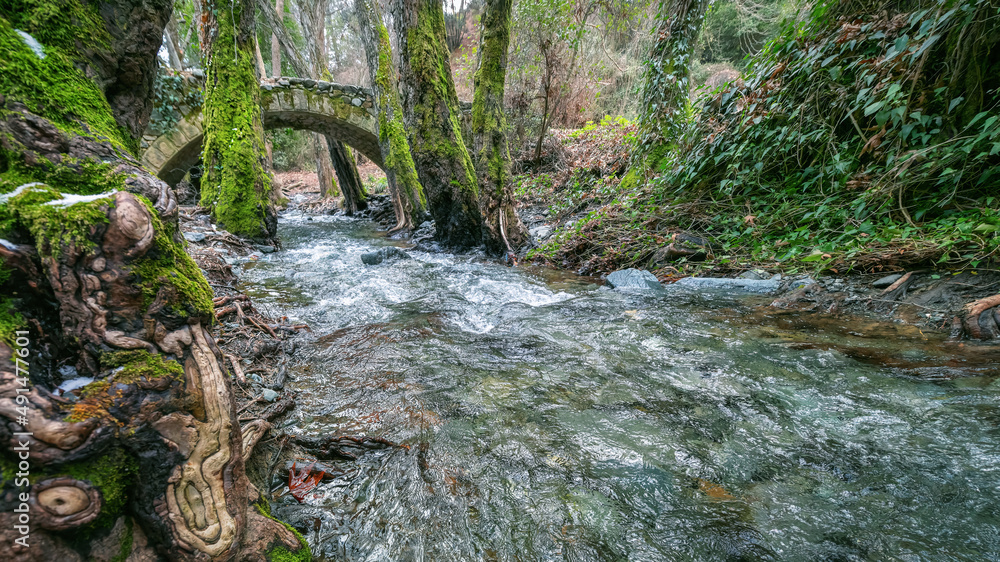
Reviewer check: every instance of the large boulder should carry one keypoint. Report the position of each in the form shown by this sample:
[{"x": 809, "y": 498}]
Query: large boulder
[{"x": 632, "y": 279}]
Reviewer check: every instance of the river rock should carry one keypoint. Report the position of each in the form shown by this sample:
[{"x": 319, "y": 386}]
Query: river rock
[
  {"x": 632, "y": 279},
  {"x": 761, "y": 286},
  {"x": 269, "y": 395},
  {"x": 382, "y": 254},
  {"x": 756, "y": 274},
  {"x": 194, "y": 236},
  {"x": 540, "y": 232},
  {"x": 886, "y": 281}
]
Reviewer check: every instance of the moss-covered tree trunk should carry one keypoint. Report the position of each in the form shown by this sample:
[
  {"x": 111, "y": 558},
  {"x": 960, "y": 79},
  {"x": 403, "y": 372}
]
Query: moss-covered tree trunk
[
  {"x": 355, "y": 197},
  {"x": 405, "y": 189},
  {"x": 433, "y": 121},
  {"x": 146, "y": 464},
  {"x": 503, "y": 230},
  {"x": 236, "y": 184},
  {"x": 665, "y": 100}
]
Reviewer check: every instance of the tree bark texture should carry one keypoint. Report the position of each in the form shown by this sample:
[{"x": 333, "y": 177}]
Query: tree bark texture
[
  {"x": 503, "y": 231},
  {"x": 433, "y": 121},
  {"x": 409, "y": 202},
  {"x": 147, "y": 463},
  {"x": 665, "y": 93},
  {"x": 355, "y": 198},
  {"x": 279, "y": 9},
  {"x": 236, "y": 185},
  {"x": 174, "y": 49}
]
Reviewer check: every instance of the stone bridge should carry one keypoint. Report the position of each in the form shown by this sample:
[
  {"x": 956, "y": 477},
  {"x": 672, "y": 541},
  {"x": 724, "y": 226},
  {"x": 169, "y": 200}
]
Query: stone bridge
[{"x": 344, "y": 112}]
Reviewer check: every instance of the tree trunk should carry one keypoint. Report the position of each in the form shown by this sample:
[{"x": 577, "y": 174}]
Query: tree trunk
[
  {"x": 173, "y": 44},
  {"x": 355, "y": 198},
  {"x": 433, "y": 120},
  {"x": 405, "y": 190},
  {"x": 147, "y": 462},
  {"x": 665, "y": 93},
  {"x": 503, "y": 230},
  {"x": 279, "y": 8},
  {"x": 261, "y": 69},
  {"x": 313, "y": 21},
  {"x": 324, "y": 166},
  {"x": 236, "y": 185}
]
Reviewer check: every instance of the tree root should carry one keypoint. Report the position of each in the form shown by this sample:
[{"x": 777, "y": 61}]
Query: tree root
[{"x": 980, "y": 320}]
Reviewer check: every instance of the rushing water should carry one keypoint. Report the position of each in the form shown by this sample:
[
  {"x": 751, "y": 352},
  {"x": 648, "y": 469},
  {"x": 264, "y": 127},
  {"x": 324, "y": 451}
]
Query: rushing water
[{"x": 550, "y": 419}]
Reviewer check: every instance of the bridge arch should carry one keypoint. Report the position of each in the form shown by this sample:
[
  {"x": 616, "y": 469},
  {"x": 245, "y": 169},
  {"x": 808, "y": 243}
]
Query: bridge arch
[{"x": 344, "y": 112}]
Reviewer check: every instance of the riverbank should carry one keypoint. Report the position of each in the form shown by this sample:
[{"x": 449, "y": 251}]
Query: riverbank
[
  {"x": 575, "y": 207},
  {"x": 455, "y": 406}
]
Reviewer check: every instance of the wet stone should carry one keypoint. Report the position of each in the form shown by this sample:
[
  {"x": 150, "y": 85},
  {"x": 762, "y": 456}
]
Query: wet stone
[
  {"x": 194, "y": 236},
  {"x": 269, "y": 395},
  {"x": 763, "y": 286},
  {"x": 379, "y": 256},
  {"x": 886, "y": 281},
  {"x": 632, "y": 279}
]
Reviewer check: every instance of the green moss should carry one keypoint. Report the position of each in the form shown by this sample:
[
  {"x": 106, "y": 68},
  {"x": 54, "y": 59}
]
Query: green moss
[
  {"x": 10, "y": 319},
  {"x": 166, "y": 264},
  {"x": 280, "y": 553},
  {"x": 125, "y": 547},
  {"x": 53, "y": 227},
  {"x": 82, "y": 177},
  {"x": 392, "y": 134},
  {"x": 111, "y": 473},
  {"x": 54, "y": 86},
  {"x": 138, "y": 364},
  {"x": 235, "y": 186}
]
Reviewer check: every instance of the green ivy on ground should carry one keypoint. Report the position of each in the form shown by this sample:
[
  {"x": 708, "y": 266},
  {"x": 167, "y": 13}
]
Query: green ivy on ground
[{"x": 860, "y": 138}]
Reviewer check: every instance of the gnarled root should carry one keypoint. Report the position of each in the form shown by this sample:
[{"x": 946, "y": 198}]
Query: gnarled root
[{"x": 980, "y": 320}]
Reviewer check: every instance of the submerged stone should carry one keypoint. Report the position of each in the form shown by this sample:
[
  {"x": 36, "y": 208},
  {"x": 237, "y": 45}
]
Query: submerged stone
[
  {"x": 762, "y": 286},
  {"x": 632, "y": 279},
  {"x": 377, "y": 257}
]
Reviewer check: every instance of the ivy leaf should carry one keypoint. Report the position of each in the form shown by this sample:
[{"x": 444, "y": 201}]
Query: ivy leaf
[{"x": 873, "y": 107}]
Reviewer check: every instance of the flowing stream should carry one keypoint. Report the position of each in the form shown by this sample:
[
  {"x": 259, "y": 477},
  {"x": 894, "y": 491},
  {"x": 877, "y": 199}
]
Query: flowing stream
[{"x": 548, "y": 418}]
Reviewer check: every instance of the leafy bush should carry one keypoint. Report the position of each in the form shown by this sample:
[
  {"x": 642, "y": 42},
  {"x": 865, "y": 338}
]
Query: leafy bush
[{"x": 867, "y": 136}]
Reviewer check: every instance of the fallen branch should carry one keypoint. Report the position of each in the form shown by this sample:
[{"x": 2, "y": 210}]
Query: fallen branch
[{"x": 237, "y": 369}]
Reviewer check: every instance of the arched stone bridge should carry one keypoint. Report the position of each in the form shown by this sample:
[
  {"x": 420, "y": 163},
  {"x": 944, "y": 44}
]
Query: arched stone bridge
[{"x": 344, "y": 112}]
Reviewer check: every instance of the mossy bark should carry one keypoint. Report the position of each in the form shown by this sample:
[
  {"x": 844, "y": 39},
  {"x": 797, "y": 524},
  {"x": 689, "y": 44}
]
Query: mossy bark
[
  {"x": 503, "y": 230},
  {"x": 236, "y": 184},
  {"x": 405, "y": 189},
  {"x": 355, "y": 197},
  {"x": 94, "y": 266},
  {"x": 433, "y": 121},
  {"x": 665, "y": 103}
]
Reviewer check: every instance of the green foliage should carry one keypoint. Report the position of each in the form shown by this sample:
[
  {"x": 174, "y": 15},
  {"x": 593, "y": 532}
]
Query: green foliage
[
  {"x": 853, "y": 141},
  {"x": 173, "y": 98},
  {"x": 291, "y": 150}
]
